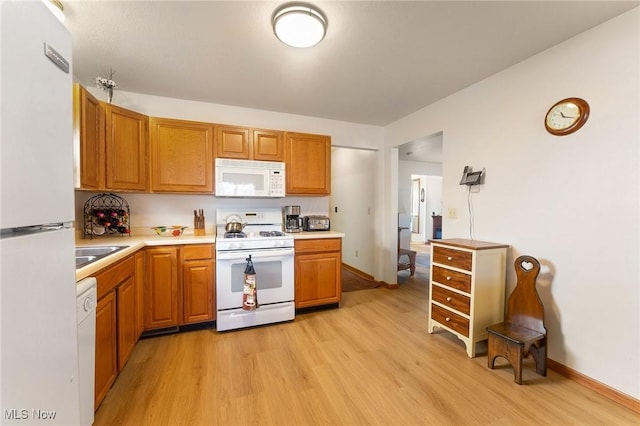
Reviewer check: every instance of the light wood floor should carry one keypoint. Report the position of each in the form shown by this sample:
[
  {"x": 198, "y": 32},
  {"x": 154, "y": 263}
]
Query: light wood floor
[{"x": 370, "y": 362}]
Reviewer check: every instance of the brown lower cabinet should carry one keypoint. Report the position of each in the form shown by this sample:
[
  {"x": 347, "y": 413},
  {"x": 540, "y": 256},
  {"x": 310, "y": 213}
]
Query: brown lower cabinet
[
  {"x": 115, "y": 323},
  {"x": 179, "y": 285},
  {"x": 161, "y": 287},
  {"x": 198, "y": 266},
  {"x": 139, "y": 277},
  {"x": 318, "y": 277},
  {"x": 106, "y": 347}
]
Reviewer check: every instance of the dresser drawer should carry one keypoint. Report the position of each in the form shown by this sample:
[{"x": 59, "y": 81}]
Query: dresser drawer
[
  {"x": 451, "y": 299},
  {"x": 453, "y": 279},
  {"x": 451, "y": 320},
  {"x": 451, "y": 257}
]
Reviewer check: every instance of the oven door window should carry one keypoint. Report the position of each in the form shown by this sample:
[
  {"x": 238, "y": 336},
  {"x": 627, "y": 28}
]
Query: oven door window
[
  {"x": 274, "y": 280},
  {"x": 268, "y": 275}
]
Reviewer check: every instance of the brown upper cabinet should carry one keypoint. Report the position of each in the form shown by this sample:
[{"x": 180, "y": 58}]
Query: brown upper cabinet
[
  {"x": 88, "y": 140},
  {"x": 125, "y": 149},
  {"x": 116, "y": 150},
  {"x": 110, "y": 145},
  {"x": 308, "y": 161},
  {"x": 181, "y": 155},
  {"x": 268, "y": 145},
  {"x": 249, "y": 144}
]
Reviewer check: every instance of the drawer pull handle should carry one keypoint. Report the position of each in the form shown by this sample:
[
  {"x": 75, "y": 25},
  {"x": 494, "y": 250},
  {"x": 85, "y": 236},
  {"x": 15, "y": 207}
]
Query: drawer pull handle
[
  {"x": 449, "y": 258},
  {"x": 448, "y": 278},
  {"x": 449, "y": 299},
  {"x": 447, "y": 319}
]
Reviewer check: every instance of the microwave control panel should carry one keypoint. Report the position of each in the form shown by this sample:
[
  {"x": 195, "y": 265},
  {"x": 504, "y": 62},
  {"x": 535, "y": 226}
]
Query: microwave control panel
[{"x": 277, "y": 183}]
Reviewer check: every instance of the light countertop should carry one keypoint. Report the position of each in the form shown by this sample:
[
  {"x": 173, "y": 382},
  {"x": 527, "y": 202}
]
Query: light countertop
[{"x": 136, "y": 242}]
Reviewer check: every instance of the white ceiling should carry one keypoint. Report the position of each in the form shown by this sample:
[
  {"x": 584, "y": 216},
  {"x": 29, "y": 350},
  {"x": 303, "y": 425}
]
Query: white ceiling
[{"x": 380, "y": 60}]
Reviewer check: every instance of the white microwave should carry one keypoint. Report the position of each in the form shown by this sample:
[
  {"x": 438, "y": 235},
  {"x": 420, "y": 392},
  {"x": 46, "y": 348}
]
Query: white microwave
[{"x": 248, "y": 178}]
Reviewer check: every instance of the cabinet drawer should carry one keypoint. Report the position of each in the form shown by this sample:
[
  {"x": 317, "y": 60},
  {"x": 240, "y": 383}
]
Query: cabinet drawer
[
  {"x": 114, "y": 275},
  {"x": 447, "y": 318},
  {"x": 318, "y": 245},
  {"x": 453, "y": 279},
  {"x": 451, "y": 299},
  {"x": 195, "y": 252},
  {"x": 451, "y": 257}
]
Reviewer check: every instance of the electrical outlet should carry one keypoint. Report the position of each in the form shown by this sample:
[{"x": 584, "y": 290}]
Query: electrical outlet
[{"x": 453, "y": 213}]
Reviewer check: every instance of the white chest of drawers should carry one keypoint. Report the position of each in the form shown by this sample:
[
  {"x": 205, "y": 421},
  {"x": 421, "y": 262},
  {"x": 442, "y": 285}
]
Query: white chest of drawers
[{"x": 466, "y": 288}]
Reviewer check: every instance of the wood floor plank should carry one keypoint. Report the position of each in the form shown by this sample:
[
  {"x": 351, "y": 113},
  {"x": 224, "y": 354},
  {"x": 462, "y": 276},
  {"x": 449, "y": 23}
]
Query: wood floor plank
[{"x": 370, "y": 362}]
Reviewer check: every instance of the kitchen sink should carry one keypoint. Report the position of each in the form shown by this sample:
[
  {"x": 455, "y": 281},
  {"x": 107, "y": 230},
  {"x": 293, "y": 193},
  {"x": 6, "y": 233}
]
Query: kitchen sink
[
  {"x": 87, "y": 255},
  {"x": 84, "y": 260},
  {"x": 98, "y": 251}
]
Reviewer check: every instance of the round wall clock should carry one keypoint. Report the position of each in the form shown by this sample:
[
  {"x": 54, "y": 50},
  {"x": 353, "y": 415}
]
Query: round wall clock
[{"x": 566, "y": 116}]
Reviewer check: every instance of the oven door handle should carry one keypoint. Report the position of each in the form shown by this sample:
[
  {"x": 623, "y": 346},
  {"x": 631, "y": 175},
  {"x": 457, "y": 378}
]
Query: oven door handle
[{"x": 255, "y": 254}]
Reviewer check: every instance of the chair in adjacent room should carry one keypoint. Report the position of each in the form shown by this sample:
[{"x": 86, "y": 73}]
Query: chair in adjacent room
[
  {"x": 410, "y": 264},
  {"x": 523, "y": 332}
]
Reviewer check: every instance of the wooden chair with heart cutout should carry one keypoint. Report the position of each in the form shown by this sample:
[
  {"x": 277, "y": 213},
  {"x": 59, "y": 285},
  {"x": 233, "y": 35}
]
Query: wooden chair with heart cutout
[{"x": 523, "y": 332}]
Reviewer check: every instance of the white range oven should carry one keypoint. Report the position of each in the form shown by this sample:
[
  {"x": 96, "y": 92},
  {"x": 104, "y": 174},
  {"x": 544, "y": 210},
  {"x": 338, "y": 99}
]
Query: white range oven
[{"x": 272, "y": 254}]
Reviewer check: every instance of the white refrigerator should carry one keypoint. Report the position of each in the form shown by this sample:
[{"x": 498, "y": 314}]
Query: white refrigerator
[{"x": 38, "y": 331}]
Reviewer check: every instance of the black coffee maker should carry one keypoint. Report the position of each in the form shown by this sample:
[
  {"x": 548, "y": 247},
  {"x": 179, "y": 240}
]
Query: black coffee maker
[{"x": 292, "y": 219}]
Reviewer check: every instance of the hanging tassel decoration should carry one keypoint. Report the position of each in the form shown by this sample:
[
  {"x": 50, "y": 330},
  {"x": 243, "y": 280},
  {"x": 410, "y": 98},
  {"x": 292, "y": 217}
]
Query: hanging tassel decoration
[{"x": 249, "y": 291}]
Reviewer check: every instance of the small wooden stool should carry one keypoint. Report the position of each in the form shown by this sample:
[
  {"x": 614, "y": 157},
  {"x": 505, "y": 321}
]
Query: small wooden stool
[{"x": 411, "y": 266}]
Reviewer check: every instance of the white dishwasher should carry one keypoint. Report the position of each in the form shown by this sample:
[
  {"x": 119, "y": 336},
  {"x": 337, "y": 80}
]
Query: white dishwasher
[{"x": 87, "y": 299}]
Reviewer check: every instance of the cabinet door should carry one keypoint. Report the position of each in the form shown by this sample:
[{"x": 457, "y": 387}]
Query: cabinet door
[
  {"x": 318, "y": 279},
  {"x": 139, "y": 290},
  {"x": 197, "y": 278},
  {"x": 232, "y": 142},
  {"x": 181, "y": 156},
  {"x": 126, "y": 311},
  {"x": 161, "y": 288},
  {"x": 106, "y": 355},
  {"x": 308, "y": 159},
  {"x": 125, "y": 149},
  {"x": 268, "y": 145},
  {"x": 88, "y": 140}
]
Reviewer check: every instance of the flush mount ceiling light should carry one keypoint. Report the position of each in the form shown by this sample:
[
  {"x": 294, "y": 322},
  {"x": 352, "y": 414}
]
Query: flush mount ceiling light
[{"x": 299, "y": 24}]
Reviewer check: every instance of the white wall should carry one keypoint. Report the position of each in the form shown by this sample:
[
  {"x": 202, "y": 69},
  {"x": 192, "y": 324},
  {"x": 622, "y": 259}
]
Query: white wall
[
  {"x": 572, "y": 202},
  {"x": 353, "y": 192}
]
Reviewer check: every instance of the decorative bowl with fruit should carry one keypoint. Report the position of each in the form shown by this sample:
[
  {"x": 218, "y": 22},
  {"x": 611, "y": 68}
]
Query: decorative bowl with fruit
[{"x": 169, "y": 231}]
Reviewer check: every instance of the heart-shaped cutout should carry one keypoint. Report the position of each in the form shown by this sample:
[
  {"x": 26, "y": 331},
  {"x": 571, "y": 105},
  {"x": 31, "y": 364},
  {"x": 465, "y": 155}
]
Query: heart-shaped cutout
[{"x": 527, "y": 266}]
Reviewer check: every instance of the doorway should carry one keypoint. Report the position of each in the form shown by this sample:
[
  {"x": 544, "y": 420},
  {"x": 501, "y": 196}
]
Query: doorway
[{"x": 420, "y": 184}]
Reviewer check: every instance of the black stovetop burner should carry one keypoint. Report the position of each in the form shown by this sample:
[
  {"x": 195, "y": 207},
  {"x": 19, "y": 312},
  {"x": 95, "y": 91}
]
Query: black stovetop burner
[
  {"x": 272, "y": 234},
  {"x": 235, "y": 235}
]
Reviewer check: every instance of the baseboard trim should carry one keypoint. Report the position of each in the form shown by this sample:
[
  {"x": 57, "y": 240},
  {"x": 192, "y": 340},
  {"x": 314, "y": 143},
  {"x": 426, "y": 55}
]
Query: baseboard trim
[
  {"x": 366, "y": 276},
  {"x": 358, "y": 272},
  {"x": 389, "y": 286},
  {"x": 604, "y": 390}
]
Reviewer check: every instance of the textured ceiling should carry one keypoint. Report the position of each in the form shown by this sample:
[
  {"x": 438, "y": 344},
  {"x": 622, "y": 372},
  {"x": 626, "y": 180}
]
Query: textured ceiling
[{"x": 380, "y": 60}]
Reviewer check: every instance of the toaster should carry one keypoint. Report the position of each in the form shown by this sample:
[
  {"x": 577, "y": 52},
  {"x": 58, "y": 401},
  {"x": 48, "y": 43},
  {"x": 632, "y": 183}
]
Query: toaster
[{"x": 315, "y": 223}]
